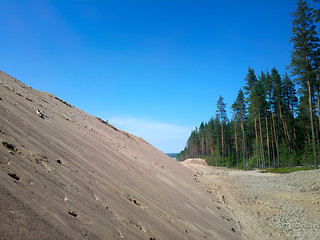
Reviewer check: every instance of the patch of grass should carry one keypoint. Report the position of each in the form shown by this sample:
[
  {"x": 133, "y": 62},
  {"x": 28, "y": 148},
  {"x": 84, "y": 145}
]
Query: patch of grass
[{"x": 286, "y": 170}]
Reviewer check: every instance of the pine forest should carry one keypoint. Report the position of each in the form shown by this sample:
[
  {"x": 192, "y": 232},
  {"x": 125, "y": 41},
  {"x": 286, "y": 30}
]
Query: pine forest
[{"x": 275, "y": 118}]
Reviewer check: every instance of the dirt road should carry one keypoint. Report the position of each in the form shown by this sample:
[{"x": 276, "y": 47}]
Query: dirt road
[{"x": 266, "y": 206}]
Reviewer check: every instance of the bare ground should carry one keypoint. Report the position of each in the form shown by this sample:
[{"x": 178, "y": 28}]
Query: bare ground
[
  {"x": 69, "y": 175},
  {"x": 267, "y": 206}
]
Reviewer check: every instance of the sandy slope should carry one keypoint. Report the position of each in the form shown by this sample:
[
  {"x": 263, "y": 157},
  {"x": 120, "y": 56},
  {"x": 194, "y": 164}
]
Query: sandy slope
[
  {"x": 267, "y": 206},
  {"x": 72, "y": 176}
]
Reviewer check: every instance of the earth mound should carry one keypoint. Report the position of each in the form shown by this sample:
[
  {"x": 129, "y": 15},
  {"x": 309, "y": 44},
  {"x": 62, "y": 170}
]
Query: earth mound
[{"x": 68, "y": 175}]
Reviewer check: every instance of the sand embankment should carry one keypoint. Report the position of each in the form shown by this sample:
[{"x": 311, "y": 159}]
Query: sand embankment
[
  {"x": 70, "y": 175},
  {"x": 267, "y": 206}
]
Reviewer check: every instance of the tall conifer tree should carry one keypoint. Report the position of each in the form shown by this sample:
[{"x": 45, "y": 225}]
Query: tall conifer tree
[
  {"x": 240, "y": 110},
  {"x": 222, "y": 115},
  {"x": 305, "y": 44}
]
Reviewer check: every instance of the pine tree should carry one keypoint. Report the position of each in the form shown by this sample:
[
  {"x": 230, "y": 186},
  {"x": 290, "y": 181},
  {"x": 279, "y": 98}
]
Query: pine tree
[
  {"x": 267, "y": 86},
  {"x": 316, "y": 13},
  {"x": 240, "y": 111},
  {"x": 222, "y": 116},
  {"x": 290, "y": 104},
  {"x": 251, "y": 88},
  {"x": 305, "y": 44},
  {"x": 234, "y": 108},
  {"x": 202, "y": 139}
]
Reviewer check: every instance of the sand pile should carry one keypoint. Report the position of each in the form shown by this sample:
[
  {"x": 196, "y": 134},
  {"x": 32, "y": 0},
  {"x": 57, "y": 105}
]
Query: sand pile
[{"x": 69, "y": 175}]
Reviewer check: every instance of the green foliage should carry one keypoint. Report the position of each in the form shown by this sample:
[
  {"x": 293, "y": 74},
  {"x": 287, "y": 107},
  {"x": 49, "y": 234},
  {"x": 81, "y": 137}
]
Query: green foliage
[
  {"x": 210, "y": 161},
  {"x": 286, "y": 170},
  {"x": 272, "y": 123}
]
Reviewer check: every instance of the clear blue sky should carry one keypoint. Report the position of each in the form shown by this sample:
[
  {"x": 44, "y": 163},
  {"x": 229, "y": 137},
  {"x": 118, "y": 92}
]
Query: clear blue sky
[{"x": 153, "y": 68}]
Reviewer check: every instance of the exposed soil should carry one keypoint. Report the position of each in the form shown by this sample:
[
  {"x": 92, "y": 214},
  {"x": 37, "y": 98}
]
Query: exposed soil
[
  {"x": 267, "y": 206},
  {"x": 70, "y": 175}
]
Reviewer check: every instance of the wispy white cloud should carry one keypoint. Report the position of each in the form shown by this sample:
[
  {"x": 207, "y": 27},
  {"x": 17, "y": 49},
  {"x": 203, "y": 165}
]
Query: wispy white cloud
[{"x": 167, "y": 137}]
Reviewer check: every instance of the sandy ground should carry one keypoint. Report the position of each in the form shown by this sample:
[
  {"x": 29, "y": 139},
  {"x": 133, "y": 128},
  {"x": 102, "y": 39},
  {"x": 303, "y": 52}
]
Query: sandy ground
[
  {"x": 70, "y": 175},
  {"x": 267, "y": 206}
]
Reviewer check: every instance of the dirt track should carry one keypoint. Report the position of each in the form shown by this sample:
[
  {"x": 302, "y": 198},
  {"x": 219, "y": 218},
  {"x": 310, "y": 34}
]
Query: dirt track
[{"x": 267, "y": 206}]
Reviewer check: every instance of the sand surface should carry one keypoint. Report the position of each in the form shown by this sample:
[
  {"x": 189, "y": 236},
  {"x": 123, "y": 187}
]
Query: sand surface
[
  {"x": 70, "y": 175},
  {"x": 267, "y": 206}
]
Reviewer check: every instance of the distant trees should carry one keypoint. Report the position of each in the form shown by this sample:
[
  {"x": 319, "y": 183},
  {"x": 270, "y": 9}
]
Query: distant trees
[
  {"x": 262, "y": 131},
  {"x": 272, "y": 125}
]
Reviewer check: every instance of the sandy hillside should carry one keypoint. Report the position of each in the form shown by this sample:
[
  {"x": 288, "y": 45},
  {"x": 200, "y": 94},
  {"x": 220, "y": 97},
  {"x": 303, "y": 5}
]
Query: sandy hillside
[
  {"x": 70, "y": 175},
  {"x": 267, "y": 206}
]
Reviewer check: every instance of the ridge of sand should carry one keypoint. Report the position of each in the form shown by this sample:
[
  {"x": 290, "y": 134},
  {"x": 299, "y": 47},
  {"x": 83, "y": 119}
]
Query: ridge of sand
[
  {"x": 267, "y": 206},
  {"x": 70, "y": 175}
]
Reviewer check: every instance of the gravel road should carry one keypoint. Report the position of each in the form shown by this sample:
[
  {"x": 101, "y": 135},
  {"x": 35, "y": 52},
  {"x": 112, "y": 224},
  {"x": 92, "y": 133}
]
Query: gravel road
[{"x": 267, "y": 206}]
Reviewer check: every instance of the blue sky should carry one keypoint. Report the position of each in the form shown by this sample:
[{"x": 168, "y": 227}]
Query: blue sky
[{"x": 152, "y": 68}]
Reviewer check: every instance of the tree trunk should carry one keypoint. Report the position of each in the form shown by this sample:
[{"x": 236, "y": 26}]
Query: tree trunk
[
  {"x": 243, "y": 145},
  {"x": 262, "y": 148},
  {"x": 202, "y": 145},
  {"x": 222, "y": 145},
  {"x": 311, "y": 121},
  {"x": 273, "y": 150},
  {"x": 318, "y": 96},
  {"x": 275, "y": 134},
  {"x": 268, "y": 144},
  {"x": 236, "y": 140},
  {"x": 285, "y": 128},
  {"x": 218, "y": 139},
  {"x": 316, "y": 125},
  {"x": 257, "y": 142}
]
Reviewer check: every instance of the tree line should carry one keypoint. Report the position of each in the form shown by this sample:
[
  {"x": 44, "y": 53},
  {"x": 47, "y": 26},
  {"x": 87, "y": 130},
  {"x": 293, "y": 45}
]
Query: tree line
[{"x": 275, "y": 120}]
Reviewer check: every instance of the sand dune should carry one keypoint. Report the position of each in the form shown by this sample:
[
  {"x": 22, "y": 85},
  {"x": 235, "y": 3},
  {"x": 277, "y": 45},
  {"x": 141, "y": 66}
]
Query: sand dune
[{"x": 70, "y": 175}]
